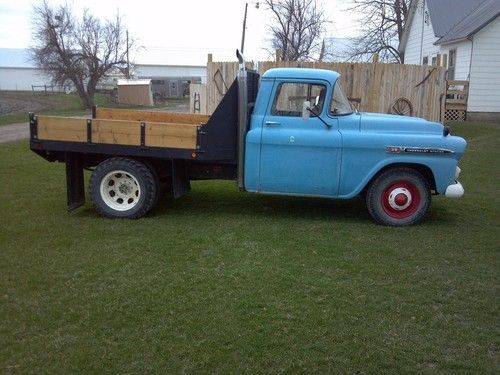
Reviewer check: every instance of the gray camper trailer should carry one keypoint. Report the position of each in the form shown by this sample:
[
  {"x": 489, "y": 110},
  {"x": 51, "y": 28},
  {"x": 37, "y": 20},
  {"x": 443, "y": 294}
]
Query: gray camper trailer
[{"x": 171, "y": 87}]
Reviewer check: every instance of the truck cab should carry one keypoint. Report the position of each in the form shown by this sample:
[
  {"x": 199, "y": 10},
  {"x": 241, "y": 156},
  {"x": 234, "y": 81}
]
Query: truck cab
[{"x": 305, "y": 139}]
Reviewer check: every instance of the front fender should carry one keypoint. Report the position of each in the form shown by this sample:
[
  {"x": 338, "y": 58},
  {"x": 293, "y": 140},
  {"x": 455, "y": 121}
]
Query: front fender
[
  {"x": 364, "y": 157},
  {"x": 351, "y": 188}
]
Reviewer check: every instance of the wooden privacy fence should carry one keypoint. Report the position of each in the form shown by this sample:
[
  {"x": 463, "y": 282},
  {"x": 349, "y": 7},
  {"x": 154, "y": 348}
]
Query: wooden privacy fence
[{"x": 372, "y": 87}]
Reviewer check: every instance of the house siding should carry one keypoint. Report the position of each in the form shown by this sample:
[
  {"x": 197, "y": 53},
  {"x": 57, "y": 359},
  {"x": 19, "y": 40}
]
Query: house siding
[
  {"x": 425, "y": 42},
  {"x": 462, "y": 67},
  {"x": 484, "y": 93},
  {"x": 420, "y": 45}
]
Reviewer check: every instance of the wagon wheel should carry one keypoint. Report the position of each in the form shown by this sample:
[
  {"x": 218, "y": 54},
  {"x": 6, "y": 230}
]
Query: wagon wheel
[{"x": 401, "y": 106}]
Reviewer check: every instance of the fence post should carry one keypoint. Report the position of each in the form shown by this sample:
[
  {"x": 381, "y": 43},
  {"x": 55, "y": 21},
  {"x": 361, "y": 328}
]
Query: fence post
[
  {"x": 278, "y": 55},
  {"x": 372, "y": 89}
]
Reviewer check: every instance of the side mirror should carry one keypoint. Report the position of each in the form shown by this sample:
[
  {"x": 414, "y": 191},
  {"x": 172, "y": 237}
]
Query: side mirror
[{"x": 305, "y": 110}]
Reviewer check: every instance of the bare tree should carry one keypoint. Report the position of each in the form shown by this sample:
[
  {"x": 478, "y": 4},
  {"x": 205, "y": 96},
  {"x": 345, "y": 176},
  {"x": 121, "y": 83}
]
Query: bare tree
[
  {"x": 296, "y": 28},
  {"x": 382, "y": 24},
  {"x": 81, "y": 52}
]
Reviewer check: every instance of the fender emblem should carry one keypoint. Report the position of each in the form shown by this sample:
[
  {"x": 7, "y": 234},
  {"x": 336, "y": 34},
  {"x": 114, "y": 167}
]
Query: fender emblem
[{"x": 416, "y": 150}]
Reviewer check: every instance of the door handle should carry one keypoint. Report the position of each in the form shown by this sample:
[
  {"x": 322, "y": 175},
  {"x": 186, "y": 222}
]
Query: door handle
[{"x": 272, "y": 123}]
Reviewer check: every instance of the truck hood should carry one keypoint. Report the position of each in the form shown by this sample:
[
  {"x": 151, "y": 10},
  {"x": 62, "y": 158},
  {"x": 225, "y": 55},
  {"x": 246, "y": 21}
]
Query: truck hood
[
  {"x": 398, "y": 124},
  {"x": 412, "y": 132}
]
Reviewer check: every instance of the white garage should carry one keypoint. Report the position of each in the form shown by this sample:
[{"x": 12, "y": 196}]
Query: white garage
[{"x": 17, "y": 72}]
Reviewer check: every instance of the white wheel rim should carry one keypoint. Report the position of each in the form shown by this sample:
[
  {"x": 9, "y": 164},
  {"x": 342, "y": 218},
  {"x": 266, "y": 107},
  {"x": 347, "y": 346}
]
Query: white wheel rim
[
  {"x": 395, "y": 199},
  {"x": 120, "y": 190}
]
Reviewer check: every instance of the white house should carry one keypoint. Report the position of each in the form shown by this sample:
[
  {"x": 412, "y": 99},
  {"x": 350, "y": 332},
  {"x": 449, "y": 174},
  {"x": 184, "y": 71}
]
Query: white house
[{"x": 468, "y": 32}]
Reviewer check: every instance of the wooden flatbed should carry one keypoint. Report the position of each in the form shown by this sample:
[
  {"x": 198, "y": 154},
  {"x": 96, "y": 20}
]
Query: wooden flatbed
[
  {"x": 125, "y": 127},
  {"x": 178, "y": 147}
]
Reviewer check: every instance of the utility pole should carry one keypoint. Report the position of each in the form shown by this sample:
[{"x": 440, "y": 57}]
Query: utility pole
[
  {"x": 257, "y": 4},
  {"x": 244, "y": 28},
  {"x": 128, "y": 62}
]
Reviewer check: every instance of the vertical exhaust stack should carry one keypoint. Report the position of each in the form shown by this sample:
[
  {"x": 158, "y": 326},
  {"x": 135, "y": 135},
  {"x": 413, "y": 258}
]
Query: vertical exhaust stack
[{"x": 242, "y": 117}]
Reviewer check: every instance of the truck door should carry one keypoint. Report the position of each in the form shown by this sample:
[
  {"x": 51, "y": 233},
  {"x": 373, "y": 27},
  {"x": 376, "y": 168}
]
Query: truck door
[{"x": 300, "y": 156}]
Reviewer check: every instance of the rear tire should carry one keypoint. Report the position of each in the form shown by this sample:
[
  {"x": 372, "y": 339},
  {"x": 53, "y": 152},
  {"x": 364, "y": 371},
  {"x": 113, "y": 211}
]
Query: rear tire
[
  {"x": 398, "y": 197},
  {"x": 123, "y": 188}
]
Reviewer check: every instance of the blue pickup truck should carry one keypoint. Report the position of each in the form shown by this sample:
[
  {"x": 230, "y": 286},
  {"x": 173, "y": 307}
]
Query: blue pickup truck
[{"x": 290, "y": 132}]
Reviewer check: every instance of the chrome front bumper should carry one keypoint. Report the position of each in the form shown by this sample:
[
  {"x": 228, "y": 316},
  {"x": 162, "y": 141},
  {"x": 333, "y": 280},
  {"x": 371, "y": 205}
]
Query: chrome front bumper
[{"x": 455, "y": 190}]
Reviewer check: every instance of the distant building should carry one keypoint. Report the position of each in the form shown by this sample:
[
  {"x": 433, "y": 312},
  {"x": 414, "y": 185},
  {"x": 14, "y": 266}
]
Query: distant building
[
  {"x": 135, "y": 92},
  {"x": 170, "y": 80},
  {"x": 18, "y": 72}
]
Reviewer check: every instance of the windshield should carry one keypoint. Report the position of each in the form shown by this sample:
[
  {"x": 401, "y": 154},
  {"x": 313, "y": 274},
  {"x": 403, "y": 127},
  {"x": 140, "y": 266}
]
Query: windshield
[{"x": 340, "y": 105}]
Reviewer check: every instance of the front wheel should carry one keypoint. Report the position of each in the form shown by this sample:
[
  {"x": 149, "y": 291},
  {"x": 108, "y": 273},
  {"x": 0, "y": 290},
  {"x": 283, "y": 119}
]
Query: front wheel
[
  {"x": 398, "y": 197},
  {"x": 123, "y": 188}
]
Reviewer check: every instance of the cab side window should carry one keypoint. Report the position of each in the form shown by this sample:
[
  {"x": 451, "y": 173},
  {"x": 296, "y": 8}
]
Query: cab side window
[{"x": 290, "y": 96}]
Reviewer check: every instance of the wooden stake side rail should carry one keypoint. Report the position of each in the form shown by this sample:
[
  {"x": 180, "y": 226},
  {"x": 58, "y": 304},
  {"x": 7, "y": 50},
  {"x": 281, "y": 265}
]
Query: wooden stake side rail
[
  {"x": 150, "y": 116},
  {"x": 118, "y": 132}
]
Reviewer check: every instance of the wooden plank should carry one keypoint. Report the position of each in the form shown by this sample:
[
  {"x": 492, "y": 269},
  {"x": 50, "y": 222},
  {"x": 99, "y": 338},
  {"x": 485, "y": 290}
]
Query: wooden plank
[
  {"x": 458, "y": 106},
  {"x": 457, "y": 92},
  {"x": 116, "y": 132},
  {"x": 167, "y": 117},
  {"x": 68, "y": 129},
  {"x": 456, "y": 101},
  {"x": 171, "y": 135},
  {"x": 457, "y": 83}
]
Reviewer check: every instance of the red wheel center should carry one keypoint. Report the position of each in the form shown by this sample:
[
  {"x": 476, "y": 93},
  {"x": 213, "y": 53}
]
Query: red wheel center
[{"x": 401, "y": 199}]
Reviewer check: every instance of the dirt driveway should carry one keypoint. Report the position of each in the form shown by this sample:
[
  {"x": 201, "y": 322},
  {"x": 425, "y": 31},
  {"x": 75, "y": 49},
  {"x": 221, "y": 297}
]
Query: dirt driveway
[
  {"x": 14, "y": 132},
  {"x": 16, "y": 105}
]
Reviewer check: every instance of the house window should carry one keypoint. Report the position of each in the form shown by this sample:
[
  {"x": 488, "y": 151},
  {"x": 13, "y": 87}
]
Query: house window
[
  {"x": 425, "y": 60},
  {"x": 452, "y": 59},
  {"x": 434, "y": 60}
]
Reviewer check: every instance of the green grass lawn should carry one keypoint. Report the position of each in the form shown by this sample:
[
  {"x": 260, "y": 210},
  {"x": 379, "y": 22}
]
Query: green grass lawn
[{"x": 227, "y": 282}]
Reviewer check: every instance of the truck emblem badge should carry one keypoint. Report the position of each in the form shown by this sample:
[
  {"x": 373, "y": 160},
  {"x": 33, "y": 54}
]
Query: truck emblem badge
[
  {"x": 416, "y": 150},
  {"x": 292, "y": 139}
]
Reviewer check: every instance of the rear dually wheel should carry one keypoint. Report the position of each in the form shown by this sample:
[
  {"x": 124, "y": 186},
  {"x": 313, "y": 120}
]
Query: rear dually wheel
[{"x": 123, "y": 188}]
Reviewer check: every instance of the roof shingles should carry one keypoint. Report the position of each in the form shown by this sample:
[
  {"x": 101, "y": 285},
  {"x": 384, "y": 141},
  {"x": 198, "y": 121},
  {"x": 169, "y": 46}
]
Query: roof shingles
[{"x": 474, "y": 21}]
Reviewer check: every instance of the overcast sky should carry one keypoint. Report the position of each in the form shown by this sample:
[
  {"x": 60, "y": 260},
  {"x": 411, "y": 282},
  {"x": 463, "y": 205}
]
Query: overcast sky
[{"x": 176, "y": 32}]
